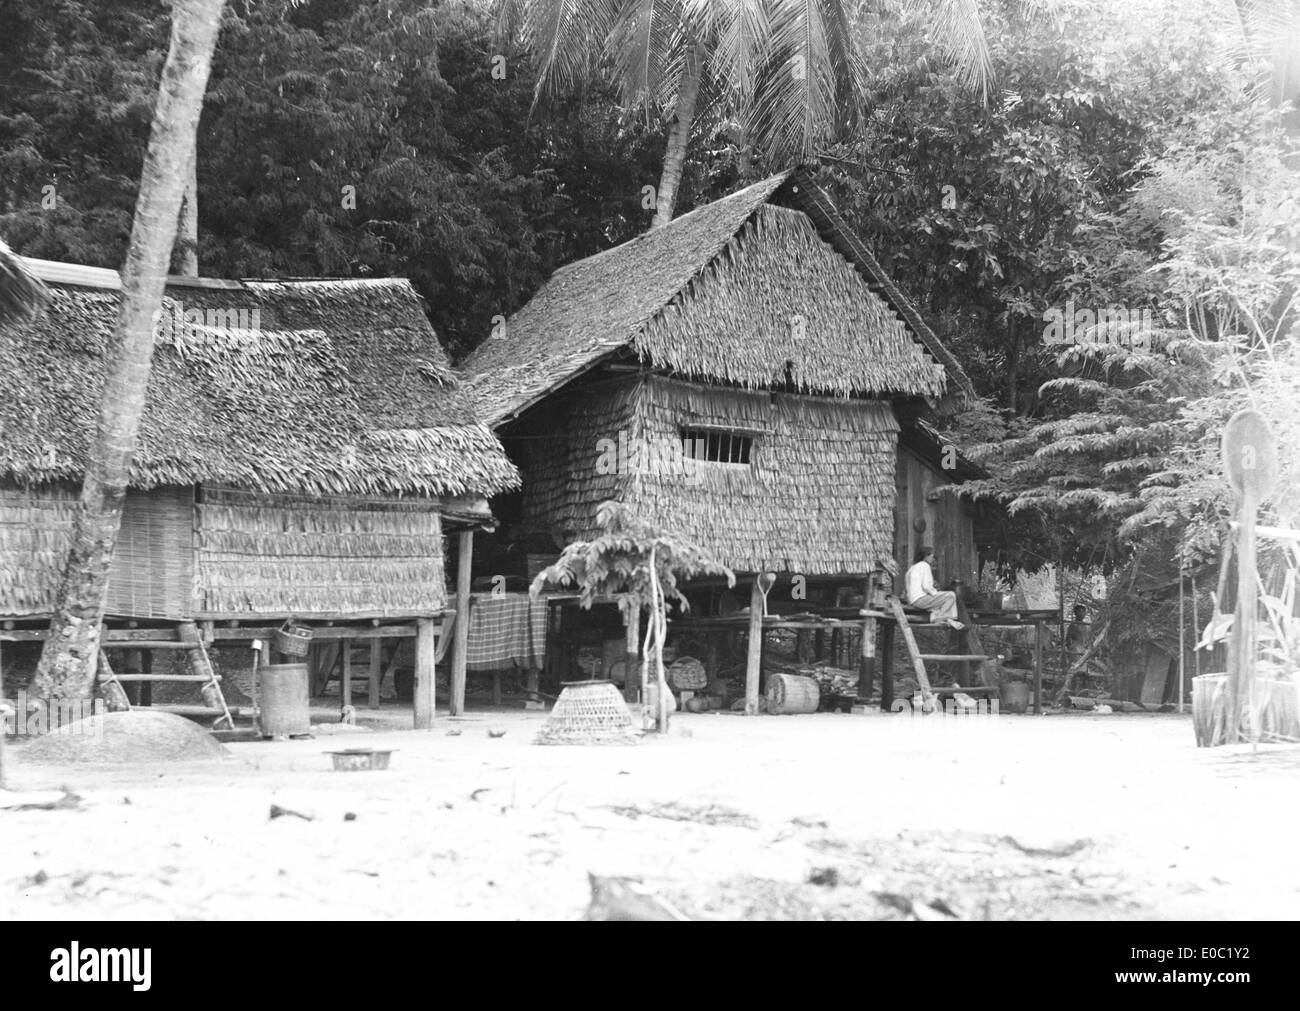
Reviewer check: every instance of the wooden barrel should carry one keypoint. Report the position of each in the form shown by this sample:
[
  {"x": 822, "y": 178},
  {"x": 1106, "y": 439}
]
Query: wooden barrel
[
  {"x": 1209, "y": 709},
  {"x": 788, "y": 694},
  {"x": 1013, "y": 696},
  {"x": 282, "y": 700}
]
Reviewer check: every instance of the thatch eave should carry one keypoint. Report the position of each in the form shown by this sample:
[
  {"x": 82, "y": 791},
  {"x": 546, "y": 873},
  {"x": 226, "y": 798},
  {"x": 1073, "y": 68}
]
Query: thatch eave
[{"x": 320, "y": 387}]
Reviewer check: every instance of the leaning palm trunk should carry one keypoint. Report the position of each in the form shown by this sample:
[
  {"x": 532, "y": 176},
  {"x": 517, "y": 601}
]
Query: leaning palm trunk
[
  {"x": 679, "y": 133},
  {"x": 21, "y": 292},
  {"x": 68, "y": 662}
]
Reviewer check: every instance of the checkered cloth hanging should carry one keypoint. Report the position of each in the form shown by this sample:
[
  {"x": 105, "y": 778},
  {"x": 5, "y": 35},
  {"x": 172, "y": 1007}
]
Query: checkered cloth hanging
[{"x": 506, "y": 630}]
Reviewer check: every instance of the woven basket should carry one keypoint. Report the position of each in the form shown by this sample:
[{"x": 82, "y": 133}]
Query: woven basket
[
  {"x": 687, "y": 674},
  {"x": 588, "y": 712},
  {"x": 292, "y": 640}
]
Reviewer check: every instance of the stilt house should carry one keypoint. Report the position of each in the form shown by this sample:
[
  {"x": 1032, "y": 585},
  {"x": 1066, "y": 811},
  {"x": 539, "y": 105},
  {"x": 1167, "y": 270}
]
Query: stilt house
[
  {"x": 305, "y": 447},
  {"x": 741, "y": 377}
]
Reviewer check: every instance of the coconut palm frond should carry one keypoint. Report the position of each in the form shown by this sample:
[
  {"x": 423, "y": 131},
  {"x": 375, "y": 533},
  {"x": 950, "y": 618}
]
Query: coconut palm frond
[
  {"x": 742, "y": 31},
  {"x": 795, "y": 98},
  {"x": 958, "y": 30},
  {"x": 22, "y": 293},
  {"x": 568, "y": 38},
  {"x": 1267, "y": 35},
  {"x": 643, "y": 42}
]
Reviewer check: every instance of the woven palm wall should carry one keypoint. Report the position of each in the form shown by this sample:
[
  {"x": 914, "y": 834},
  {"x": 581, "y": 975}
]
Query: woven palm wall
[
  {"x": 34, "y": 527},
  {"x": 564, "y": 460},
  {"x": 152, "y": 573},
  {"x": 816, "y": 498},
  {"x": 153, "y": 563},
  {"x": 279, "y": 554}
]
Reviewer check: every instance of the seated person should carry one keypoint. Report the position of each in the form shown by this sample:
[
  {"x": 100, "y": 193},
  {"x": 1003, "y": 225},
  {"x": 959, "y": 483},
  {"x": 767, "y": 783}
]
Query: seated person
[{"x": 919, "y": 590}]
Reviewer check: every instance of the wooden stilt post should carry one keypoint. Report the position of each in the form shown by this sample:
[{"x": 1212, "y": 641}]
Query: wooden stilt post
[
  {"x": 754, "y": 658},
  {"x": 1040, "y": 635},
  {"x": 424, "y": 663},
  {"x": 460, "y": 631},
  {"x": 867, "y": 662},
  {"x": 632, "y": 658},
  {"x": 887, "y": 628},
  {"x": 376, "y": 670},
  {"x": 4, "y": 723},
  {"x": 345, "y": 685}
]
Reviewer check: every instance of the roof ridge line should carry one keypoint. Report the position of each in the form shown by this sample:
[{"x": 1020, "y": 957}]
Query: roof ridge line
[{"x": 712, "y": 258}]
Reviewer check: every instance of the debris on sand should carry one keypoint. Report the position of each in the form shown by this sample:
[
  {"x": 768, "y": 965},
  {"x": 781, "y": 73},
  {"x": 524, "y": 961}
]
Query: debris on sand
[
  {"x": 1062, "y": 849},
  {"x": 615, "y": 899},
  {"x": 708, "y": 814},
  {"x": 42, "y": 800},
  {"x": 827, "y": 877},
  {"x": 280, "y": 812},
  {"x": 135, "y": 736},
  {"x": 934, "y": 910}
]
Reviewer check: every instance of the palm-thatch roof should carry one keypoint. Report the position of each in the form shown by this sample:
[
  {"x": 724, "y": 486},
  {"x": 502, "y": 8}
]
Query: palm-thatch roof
[
  {"x": 21, "y": 291},
  {"x": 315, "y": 387},
  {"x": 764, "y": 288}
]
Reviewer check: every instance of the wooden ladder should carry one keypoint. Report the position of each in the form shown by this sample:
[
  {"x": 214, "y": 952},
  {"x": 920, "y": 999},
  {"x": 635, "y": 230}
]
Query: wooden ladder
[
  {"x": 187, "y": 638},
  {"x": 929, "y": 693}
]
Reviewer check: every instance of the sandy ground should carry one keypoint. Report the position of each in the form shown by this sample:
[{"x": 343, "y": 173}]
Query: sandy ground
[{"x": 826, "y": 816}]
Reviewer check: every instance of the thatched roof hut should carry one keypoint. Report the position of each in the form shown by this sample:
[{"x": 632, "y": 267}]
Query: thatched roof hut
[
  {"x": 733, "y": 376},
  {"x": 714, "y": 296},
  {"x": 302, "y": 446}
]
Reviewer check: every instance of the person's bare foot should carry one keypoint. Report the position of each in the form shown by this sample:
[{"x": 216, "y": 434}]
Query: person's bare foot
[{"x": 956, "y": 625}]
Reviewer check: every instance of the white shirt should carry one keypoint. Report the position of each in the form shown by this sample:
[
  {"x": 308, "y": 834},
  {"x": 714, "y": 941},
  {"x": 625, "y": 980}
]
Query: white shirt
[{"x": 919, "y": 581}]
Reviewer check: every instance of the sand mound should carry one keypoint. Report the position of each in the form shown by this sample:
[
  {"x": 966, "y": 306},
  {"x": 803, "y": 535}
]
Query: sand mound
[{"x": 136, "y": 736}]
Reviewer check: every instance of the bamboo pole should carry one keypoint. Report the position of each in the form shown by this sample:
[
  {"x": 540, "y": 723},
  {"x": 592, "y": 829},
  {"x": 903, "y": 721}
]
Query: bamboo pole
[
  {"x": 460, "y": 631},
  {"x": 1241, "y": 655},
  {"x": 1182, "y": 633},
  {"x": 1196, "y": 627},
  {"x": 1060, "y": 594}
]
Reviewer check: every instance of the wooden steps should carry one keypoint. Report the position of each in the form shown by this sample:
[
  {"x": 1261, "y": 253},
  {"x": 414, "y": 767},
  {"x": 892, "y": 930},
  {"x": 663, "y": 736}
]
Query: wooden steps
[
  {"x": 965, "y": 638},
  {"x": 186, "y": 638}
]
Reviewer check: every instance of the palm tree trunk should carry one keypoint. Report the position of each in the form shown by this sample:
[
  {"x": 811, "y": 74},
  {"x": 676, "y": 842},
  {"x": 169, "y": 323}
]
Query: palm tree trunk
[
  {"x": 678, "y": 135},
  {"x": 187, "y": 241},
  {"x": 68, "y": 661}
]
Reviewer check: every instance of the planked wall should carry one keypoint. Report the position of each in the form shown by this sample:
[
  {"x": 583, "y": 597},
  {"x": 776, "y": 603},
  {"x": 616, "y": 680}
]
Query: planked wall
[{"x": 949, "y": 522}]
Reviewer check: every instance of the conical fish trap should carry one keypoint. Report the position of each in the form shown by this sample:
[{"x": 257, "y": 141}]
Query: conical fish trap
[{"x": 589, "y": 712}]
